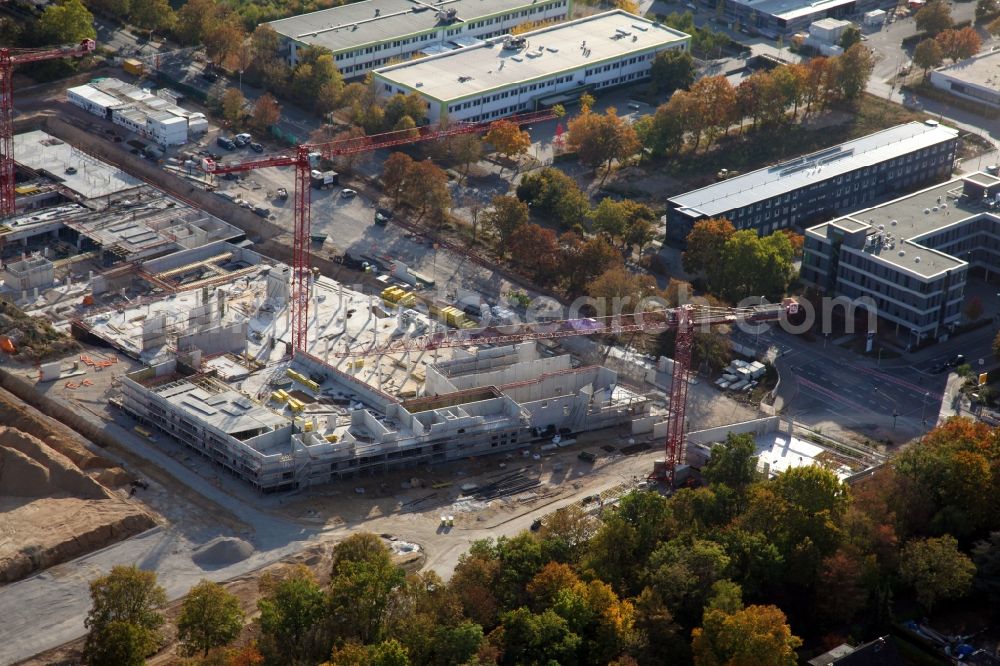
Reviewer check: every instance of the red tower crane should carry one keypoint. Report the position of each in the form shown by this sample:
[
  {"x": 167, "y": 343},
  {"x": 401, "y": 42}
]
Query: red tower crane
[
  {"x": 685, "y": 320},
  {"x": 8, "y": 59},
  {"x": 303, "y": 160}
]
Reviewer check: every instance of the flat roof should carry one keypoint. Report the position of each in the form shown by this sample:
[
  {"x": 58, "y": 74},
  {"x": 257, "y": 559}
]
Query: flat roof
[
  {"x": 72, "y": 168},
  {"x": 792, "y": 9},
  {"x": 227, "y": 410},
  {"x": 477, "y": 69},
  {"x": 788, "y": 176},
  {"x": 911, "y": 219},
  {"x": 370, "y": 21},
  {"x": 94, "y": 95},
  {"x": 982, "y": 70}
]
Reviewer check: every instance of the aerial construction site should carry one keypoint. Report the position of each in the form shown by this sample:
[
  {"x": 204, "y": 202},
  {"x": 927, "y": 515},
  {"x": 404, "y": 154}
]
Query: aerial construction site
[{"x": 216, "y": 389}]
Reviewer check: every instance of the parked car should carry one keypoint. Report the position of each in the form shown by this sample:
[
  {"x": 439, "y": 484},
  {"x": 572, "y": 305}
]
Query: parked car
[
  {"x": 225, "y": 142},
  {"x": 382, "y": 216},
  {"x": 256, "y": 147},
  {"x": 209, "y": 76},
  {"x": 242, "y": 139},
  {"x": 956, "y": 360},
  {"x": 348, "y": 193}
]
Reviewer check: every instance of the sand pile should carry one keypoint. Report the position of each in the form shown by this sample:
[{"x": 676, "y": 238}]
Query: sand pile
[
  {"x": 30, "y": 468},
  {"x": 221, "y": 552}
]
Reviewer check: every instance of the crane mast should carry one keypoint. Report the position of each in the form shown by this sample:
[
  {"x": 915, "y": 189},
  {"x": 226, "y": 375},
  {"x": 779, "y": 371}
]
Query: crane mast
[{"x": 9, "y": 58}]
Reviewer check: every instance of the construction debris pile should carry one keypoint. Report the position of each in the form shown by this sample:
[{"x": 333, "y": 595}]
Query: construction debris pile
[{"x": 31, "y": 338}]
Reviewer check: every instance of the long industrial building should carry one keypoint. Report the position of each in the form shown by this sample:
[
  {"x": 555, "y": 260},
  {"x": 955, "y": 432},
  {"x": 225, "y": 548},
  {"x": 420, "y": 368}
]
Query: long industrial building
[
  {"x": 774, "y": 18},
  {"x": 814, "y": 187},
  {"x": 507, "y": 75},
  {"x": 369, "y": 34},
  {"x": 911, "y": 257}
]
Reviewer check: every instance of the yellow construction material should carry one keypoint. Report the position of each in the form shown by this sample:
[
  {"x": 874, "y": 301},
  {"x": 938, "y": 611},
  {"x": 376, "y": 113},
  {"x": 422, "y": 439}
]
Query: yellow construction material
[
  {"x": 280, "y": 395},
  {"x": 295, "y": 405},
  {"x": 357, "y": 363},
  {"x": 331, "y": 438},
  {"x": 302, "y": 379},
  {"x": 307, "y": 426},
  {"x": 397, "y": 296}
]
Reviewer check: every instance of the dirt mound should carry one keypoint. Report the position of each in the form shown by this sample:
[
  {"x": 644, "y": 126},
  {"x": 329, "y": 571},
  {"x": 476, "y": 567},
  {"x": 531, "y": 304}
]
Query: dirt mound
[
  {"x": 30, "y": 468},
  {"x": 222, "y": 551},
  {"x": 17, "y": 415}
]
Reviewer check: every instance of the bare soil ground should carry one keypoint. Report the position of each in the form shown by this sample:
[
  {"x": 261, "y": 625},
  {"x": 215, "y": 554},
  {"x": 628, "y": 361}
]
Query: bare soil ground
[{"x": 56, "y": 497}]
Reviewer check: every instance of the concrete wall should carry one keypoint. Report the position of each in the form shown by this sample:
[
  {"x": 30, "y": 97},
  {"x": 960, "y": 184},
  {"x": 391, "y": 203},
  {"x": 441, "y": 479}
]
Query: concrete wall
[{"x": 217, "y": 339}]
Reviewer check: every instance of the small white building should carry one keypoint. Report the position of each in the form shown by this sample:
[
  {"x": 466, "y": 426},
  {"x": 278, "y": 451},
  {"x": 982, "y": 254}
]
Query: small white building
[
  {"x": 977, "y": 78},
  {"x": 157, "y": 117},
  {"x": 506, "y": 75},
  {"x": 875, "y": 19},
  {"x": 93, "y": 101}
]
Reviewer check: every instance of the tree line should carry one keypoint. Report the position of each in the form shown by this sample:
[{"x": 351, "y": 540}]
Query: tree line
[
  {"x": 741, "y": 570},
  {"x": 711, "y": 106}
]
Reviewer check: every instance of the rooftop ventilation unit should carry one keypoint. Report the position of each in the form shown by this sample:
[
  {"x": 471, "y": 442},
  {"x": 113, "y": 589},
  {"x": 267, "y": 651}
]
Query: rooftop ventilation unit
[{"x": 515, "y": 43}]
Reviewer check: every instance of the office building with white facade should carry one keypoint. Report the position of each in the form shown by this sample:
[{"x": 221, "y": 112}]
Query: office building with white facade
[
  {"x": 910, "y": 257},
  {"x": 508, "y": 75},
  {"x": 772, "y": 18},
  {"x": 369, "y": 34},
  {"x": 815, "y": 187},
  {"x": 976, "y": 78}
]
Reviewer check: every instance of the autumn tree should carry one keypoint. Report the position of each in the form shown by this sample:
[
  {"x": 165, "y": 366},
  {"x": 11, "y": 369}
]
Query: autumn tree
[
  {"x": 854, "y": 67},
  {"x": 671, "y": 70},
  {"x": 705, "y": 244},
  {"x": 928, "y": 55},
  {"x": 124, "y": 621},
  {"x": 223, "y": 39},
  {"x": 66, "y": 22},
  {"x": 934, "y": 17},
  {"x": 466, "y": 150},
  {"x": 601, "y": 139},
  {"x": 210, "y": 617},
  {"x": 508, "y": 139},
  {"x": 583, "y": 260},
  {"x": 535, "y": 250},
  {"x": 266, "y": 112},
  {"x": 232, "y": 107},
  {"x": 936, "y": 569},
  {"x": 973, "y": 308},
  {"x": 505, "y": 216},
  {"x": 395, "y": 170},
  {"x": 425, "y": 190},
  {"x": 715, "y": 101},
  {"x": 622, "y": 286},
  {"x": 754, "y": 635},
  {"x": 958, "y": 44}
]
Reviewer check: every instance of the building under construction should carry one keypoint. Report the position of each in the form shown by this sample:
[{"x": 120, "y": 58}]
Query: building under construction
[{"x": 125, "y": 266}]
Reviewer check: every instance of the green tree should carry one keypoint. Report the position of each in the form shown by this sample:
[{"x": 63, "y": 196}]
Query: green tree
[
  {"x": 705, "y": 244},
  {"x": 683, "y": 570},
  {"x": 552, "y": 192},
  {"x": 725, "y": 596},
  {"x": 662, "y": 132},
  {"x": 986, "y": 9},
  {"x": 210, "y": 617},
  {"x": 751, "y": 265},
  {"x": 986, "y": 556},
  {"x": 388, "y": 653},
  {"x": 505, "y": 216},
  {"x": 934, "y": 17},
  {"x": 66, "y": 22},
  {"x": 611, "y": 218},
  {"x": 125, "y": 617},
  {"x": 928, "y": 55},
  {"x": 537, "y": 639},
  {"x": 362, "y": 582},
  {"x": 291, "y": 610},
  {"x": 936, "y": 569},
  {"x": 671, "y": 70},
  {"x": 733, "y": 462},
  {"x": 850, "y": 37},
  {"x": 466, "y": 150},
  {"x": 756, "y": 635},
  {"x": 152, "y": 14}
]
